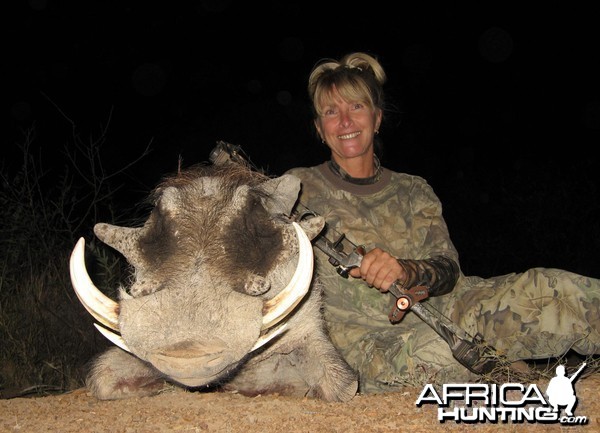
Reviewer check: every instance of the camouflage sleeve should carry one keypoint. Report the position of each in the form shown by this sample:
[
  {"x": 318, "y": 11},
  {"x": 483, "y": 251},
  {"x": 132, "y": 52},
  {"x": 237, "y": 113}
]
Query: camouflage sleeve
[
  {"x": 439, "y": 274},
  {"x": 429, "y": 236}
]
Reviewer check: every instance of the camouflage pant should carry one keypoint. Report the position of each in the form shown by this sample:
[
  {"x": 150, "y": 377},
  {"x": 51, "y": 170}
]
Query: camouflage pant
[{"x": 538, "y": 314}]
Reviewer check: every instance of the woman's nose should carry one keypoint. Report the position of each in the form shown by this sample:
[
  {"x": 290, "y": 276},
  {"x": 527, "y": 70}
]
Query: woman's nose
[{"x": 345, "y": 119}]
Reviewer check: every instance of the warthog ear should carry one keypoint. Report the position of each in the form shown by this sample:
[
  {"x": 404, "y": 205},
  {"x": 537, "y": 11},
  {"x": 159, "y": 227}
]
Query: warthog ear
[{"x": 281, "y": 194}]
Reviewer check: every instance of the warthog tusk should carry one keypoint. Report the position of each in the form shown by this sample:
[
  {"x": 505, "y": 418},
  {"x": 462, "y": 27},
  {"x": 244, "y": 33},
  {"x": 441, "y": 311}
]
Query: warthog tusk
[
  {"x": 281, "y": 305},
  {"x": 98, "y": 305},
  {"x": 112, "y": 337},
  {"x": 265, "y": 338}
]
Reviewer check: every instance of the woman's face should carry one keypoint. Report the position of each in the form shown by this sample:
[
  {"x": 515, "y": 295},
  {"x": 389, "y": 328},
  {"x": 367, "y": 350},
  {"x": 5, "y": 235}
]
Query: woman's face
[{"x": 348, "y": 128}]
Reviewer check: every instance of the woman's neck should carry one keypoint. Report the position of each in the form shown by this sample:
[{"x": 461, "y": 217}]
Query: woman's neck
[
  {"x": 357, "y": 167},
  {"x": 358, "y": 172}
]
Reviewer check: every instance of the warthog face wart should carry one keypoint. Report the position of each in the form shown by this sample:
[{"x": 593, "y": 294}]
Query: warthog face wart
[{"x": 223, "y": 293}]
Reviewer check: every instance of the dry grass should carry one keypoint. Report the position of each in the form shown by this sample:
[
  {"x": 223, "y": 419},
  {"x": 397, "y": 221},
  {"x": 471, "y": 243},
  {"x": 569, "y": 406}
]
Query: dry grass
[{"x": 43, "y": 213}]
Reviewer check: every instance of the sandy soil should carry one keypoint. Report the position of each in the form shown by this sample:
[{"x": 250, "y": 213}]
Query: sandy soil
[{"x": 177, "y": 410}]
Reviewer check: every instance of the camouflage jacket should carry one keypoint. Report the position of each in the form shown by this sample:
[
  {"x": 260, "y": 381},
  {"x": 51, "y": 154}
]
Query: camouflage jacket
[{"x": 400, "y": 214}]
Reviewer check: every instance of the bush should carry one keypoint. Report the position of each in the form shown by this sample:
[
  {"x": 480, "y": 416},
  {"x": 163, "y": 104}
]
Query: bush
[{"x": 47, "y": 336}]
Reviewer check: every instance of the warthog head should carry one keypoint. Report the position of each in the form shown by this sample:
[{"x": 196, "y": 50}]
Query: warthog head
[{"x": 220, "y": 271}]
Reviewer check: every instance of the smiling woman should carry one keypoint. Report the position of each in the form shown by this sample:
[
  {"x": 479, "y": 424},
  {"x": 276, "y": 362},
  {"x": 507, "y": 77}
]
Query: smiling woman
[
  {"x": 398, "y": 220},
  {"x": 348, "y": 112}
]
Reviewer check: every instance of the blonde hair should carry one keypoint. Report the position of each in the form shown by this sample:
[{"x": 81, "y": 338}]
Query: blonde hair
[{"x": 356, "y": 77}]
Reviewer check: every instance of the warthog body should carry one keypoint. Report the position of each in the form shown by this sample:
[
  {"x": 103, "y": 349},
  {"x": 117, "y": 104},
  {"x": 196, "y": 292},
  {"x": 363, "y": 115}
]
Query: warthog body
[{"x": 216, "y": 250}]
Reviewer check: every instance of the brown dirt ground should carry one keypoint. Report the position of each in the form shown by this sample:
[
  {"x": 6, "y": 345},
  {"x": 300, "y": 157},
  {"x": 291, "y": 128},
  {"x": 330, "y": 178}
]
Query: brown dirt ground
[{"x": 178, "y": 410}]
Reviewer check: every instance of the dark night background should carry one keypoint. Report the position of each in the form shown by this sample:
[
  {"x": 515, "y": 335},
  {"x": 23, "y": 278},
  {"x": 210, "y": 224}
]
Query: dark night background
[{"x": 497, "y": 106}]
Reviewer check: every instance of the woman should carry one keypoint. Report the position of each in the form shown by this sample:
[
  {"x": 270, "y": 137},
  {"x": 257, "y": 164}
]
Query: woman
[{"x": 540, "y": 313}]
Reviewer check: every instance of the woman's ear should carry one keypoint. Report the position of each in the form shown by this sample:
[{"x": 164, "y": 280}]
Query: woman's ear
[{"x": 378, "y": 118}]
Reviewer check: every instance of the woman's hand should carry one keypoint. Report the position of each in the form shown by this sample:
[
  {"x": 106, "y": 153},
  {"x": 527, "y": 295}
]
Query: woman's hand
[{"x": 379, "y": 269}]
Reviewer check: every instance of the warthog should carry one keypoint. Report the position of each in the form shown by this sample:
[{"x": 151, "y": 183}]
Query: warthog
[{"x": 223, "y": 293}]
